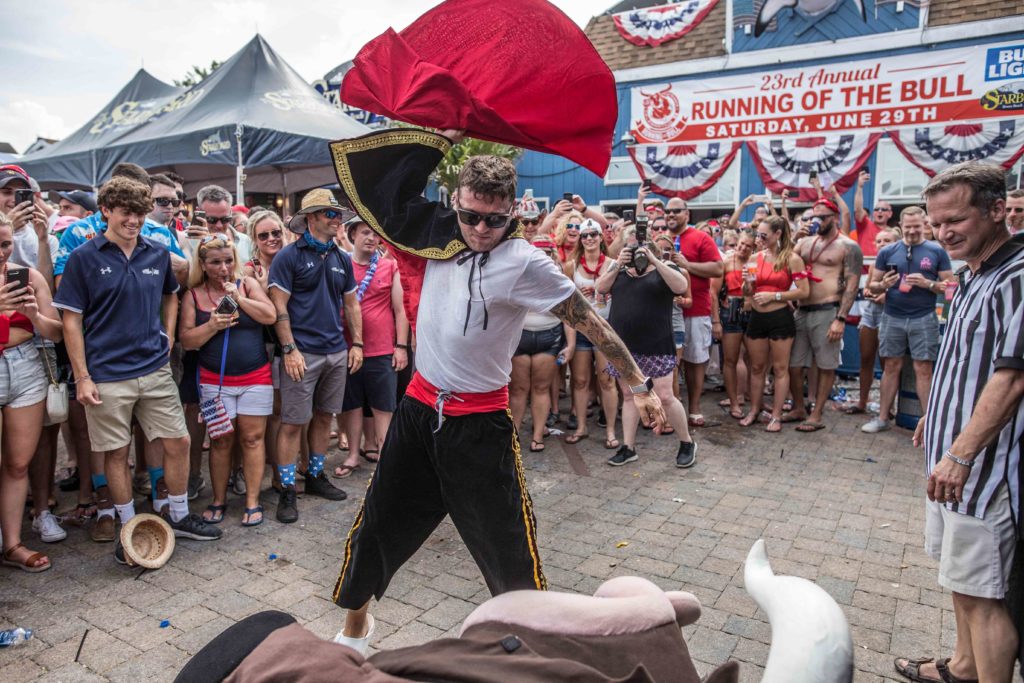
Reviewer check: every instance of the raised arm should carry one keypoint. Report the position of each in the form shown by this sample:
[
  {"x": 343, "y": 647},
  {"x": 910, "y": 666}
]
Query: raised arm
[{"x": 859, "y": 212}]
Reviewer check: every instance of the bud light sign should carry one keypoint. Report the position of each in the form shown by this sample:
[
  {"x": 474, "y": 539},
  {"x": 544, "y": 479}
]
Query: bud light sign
[{"x": 1004, "y": 63}]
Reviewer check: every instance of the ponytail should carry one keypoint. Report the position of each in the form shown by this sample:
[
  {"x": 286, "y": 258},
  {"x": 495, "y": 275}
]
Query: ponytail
[{"x": 786, "y": 246}]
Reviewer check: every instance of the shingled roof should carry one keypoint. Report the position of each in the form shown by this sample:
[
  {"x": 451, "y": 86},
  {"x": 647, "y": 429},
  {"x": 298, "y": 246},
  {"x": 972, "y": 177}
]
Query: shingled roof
[{"x": 706, "y": 40}]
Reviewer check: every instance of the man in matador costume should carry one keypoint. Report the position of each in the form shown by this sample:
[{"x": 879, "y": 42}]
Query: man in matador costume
[{"x": 452, "y": 448}]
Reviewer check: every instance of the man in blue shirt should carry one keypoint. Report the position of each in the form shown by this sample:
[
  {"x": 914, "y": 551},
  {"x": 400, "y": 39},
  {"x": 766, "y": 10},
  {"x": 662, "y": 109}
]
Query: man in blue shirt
[
  {"x": 114, "y": 292},
  {"x": 911, "y": 273},
  {"x": 310, "y": 280}
]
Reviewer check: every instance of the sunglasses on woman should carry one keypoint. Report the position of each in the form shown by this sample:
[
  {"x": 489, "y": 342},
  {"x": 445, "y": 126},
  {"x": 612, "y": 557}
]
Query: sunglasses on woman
[
  {"x": 264, "y": 236},
  {"x": 572, "y": 226},
  {"x": 491, "y": 220}
]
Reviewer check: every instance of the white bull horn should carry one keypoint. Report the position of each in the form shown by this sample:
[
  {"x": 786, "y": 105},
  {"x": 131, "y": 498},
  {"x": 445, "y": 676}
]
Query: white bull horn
[{"x": 811, "y": 640}]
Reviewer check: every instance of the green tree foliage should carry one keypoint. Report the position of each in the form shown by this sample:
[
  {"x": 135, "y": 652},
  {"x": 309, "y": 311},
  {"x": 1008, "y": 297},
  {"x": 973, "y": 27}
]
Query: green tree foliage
[
  {"x": 450, "y": 167},
  {"x": 197, "y": 74}
]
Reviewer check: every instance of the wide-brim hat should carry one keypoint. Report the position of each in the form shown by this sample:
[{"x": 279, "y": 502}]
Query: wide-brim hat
[
  {"x": 148, "y": 541},
  {"x": 317, "y": 200}
]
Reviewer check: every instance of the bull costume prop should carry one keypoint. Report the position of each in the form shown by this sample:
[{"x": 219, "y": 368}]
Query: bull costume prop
[{"x": 629, "y": 631}]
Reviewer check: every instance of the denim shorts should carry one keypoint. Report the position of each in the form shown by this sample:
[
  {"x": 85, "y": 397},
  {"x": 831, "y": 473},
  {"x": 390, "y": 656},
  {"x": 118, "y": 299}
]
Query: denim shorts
[
  {"x": 870, "y": 316},
  {"x": 918, "y": 335},
  {"x": 583, "y": 344},
  {"x": 679, "y": 336},
  {"x": 547, "y": 341},
  {"x": 22, "y": 378}
]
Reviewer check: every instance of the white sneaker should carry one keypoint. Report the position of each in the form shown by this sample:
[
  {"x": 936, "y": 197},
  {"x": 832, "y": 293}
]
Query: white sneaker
[
  {"x": 876, "y": 425},
  {"x": 48, "y": 528},
  {"x": 360, "y": 645}
]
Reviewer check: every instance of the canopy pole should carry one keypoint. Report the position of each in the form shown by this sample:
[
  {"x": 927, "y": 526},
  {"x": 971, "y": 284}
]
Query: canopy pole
[
  {"x": 286, "y": 206},
  {"x": 239, "y": 169}
]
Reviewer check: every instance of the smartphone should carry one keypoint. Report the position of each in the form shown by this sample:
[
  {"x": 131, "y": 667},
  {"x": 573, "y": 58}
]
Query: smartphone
[
  {"x": 19, "y": 276},
  {"x": 812, "y": 175},
  {"x": 666, "y": 254},
  {"x": 199, "y": 216},
  {"x": 22, "y": 196},
  {"x": 761, "y": 198},
  {"x": 227, "y": 306},
  {"x": 627, "y": 215},
  {"x": 647, "y": 184},
  {"x": 567, "y": 196},
  {"x": 892, "y": 268}
]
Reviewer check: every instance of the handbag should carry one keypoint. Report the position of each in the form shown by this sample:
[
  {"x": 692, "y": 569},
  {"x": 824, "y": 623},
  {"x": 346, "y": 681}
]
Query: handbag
[
  {"x": 212, "y": 411},
  {"x": 56, "y": 392}
]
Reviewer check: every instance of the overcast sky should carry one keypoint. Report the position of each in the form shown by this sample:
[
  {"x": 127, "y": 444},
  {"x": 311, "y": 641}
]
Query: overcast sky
[{"x": 64, "y": 59}]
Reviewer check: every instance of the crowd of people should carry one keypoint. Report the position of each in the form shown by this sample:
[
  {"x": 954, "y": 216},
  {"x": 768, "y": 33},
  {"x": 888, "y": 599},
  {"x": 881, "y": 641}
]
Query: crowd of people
[{"x": 177, "y": 325}]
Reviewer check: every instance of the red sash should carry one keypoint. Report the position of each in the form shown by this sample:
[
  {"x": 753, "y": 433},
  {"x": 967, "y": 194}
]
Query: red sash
[{"x": 457, "y": 403}]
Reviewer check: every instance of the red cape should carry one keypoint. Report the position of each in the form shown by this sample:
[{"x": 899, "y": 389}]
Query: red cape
[{"x": 520, "y": 73}]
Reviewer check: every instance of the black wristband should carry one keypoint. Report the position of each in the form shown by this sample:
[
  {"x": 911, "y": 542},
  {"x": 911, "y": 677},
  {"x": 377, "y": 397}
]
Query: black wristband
[
  {"x": 359, "y": 344},
  {"x": 841, "y": 318},
  {"x": 402, "y": 346}
]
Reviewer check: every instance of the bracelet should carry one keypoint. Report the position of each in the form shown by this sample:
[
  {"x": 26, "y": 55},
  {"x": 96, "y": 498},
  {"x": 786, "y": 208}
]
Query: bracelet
[
  {"x": 958, "y": 461},
  {"x": 83, "y": 378},
  {"x": 359, "y": 344},
  {"x": 402, "y": 346}
]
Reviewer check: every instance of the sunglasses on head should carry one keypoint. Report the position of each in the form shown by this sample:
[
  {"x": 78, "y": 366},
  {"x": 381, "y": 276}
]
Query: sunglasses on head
[
  {"x": 676, "y": 210},
  {"x": 167, "y": 201},
  {"x": 214, "y": 236},
  {"x": 264, "y": 236},
  {"x": 491, "y": 220},
  {"x": 213, "y": 220}
]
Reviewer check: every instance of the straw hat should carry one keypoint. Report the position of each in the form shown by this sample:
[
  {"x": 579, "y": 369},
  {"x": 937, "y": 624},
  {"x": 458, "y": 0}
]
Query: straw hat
[
  {"x": 148, "y": 541},
  {"x": 317, "y": 200}
]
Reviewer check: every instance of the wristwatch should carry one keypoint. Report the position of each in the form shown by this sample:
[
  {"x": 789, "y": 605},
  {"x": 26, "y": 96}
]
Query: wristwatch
[
  {"x": 287, "y": 348},
  {"x": 645, "y": 387},
  {"x": 778, "y": 296}
]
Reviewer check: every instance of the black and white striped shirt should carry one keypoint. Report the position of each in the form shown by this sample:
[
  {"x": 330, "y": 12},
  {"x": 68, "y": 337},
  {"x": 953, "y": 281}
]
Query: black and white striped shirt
[{"x": 984, "y": 334}]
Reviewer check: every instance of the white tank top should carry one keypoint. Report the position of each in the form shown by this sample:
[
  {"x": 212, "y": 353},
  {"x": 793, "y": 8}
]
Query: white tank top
[{"x": 602, "y": 303}]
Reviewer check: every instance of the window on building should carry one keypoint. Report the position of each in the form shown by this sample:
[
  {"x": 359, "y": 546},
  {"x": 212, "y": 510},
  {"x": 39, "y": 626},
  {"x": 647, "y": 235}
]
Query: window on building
[
  {"x": 896, "y": 179},
  {"x": 622, "y": 171}
]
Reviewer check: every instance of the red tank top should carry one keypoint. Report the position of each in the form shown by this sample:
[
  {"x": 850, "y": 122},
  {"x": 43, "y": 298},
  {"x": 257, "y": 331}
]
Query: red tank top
[
  {"x": 734, "y": 283},
  {"x": 769, "y": 279},
  {"x": 13, "y": 320}
]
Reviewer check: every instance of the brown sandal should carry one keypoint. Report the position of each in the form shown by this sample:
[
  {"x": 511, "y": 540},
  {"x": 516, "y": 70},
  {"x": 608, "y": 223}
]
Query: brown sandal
[
  {"x": 30, "y": 564},
  {"x": 912, "y": 670}
]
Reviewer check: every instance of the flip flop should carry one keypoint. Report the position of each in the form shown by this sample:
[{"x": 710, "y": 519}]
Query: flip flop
[
  {"x": 576, "y": 438},
  {"x": 724, "y": 403},
  {"x": 611, "y": 444},
  {"x": 536, "y": 446},
  {"x": 852, "y": 410},
  {"x": 249, "y": 512},
  {"x": 218, "y": 514},
  {"x": 806, "y": 427},
  {"x": 789, "y": 417},
  {"x": 344, "y": 471},
  {"x": 365, "y": 455},
  {"x": 667, "y": 430},
  {"x": 737, "y": 413},
  {"x": 774, "y": 422}
]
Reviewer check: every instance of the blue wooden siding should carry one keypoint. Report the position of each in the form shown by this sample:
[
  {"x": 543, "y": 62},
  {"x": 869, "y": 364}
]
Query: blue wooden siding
[
  {"x": 550, "y": 176},
  {"x": 790, "y": 27}
]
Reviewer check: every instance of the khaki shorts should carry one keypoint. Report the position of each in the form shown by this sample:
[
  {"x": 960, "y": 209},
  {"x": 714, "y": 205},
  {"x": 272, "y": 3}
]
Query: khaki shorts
[
  {"x": 975, "y": 555},
  {"x": 152, "y": 399},
  {"x": 322, "y": 388},
  {"x": 811, "y": 341}
]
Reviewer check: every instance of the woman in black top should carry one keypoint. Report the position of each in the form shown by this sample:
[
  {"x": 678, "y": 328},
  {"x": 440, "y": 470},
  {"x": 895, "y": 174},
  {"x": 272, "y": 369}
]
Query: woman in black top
[
  {"x": 223, "y": 317},
  {"x": 642, "y": 317}
]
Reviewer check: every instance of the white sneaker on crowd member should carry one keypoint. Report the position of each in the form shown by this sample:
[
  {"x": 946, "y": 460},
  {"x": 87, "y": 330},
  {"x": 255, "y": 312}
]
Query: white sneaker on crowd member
[
  {"x": 876, "y": 425},
  {"x": 360, "y": 645},
  {"x": 48, "y": 528}
]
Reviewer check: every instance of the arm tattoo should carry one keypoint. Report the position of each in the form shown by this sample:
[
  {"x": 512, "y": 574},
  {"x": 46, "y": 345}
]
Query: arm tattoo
[
  {"x": 853, "y": 263},
  {"x": 577, "y": 312}
]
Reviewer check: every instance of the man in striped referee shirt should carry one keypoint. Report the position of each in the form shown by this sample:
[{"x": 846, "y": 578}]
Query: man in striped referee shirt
[{"x": 973, "y": 431}]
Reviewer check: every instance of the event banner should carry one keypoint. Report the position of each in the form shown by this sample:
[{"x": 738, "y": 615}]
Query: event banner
[{"x": 943, "y": 86}]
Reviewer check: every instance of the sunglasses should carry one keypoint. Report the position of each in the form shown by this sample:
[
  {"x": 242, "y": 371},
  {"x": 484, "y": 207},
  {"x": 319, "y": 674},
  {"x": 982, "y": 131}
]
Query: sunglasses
[
  {"x": 167, "y": 201},
  {"x": 572, "y": 226},
  {"x": 526, "y": 221},
  {"x": 214, "y": 236},
  {"x": 761, "y": 236},
  {"x": 589, "y": 233},
  {"x": 264, "y": 236},
  {"x": 676, "y": 210},
  {"x": 883, "y": 208},
  {"x": 214, "y": 220},
  {"x": 330, "y": 214},
  {"x": 491, "y": 220}
]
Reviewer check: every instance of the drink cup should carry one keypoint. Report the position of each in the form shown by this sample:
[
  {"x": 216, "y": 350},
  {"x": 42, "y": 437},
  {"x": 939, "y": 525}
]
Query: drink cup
[{"x": 904, "y": 285}]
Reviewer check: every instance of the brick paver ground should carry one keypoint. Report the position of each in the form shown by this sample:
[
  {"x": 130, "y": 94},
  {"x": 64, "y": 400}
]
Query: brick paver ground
[{"x": 841, "y": 508}]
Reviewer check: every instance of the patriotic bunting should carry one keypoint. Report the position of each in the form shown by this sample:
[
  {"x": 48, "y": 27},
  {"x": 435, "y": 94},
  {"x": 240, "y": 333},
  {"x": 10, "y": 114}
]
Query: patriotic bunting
[
  {"x": 684, "y": 171},
  {"x": 785, "y": 163},
  {"x": 656, "y": 25},
  {"x": 937, "y": 147}
]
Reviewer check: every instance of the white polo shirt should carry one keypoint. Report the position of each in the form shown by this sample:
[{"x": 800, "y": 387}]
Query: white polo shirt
[{"x": 453, "y": 350}]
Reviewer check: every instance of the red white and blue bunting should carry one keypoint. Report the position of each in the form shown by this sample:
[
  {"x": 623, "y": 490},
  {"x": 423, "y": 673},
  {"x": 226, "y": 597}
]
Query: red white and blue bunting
[
  {"x": 684, "y": 171},
  {"x": 656, "y": 25},
  {"x": 934, "y": 148},
  {"x": 785, "y": 163}
]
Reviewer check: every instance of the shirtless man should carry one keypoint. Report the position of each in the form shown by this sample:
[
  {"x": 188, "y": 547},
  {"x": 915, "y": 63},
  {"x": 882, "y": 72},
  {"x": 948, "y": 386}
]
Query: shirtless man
[{"x": 834, "y": 264}]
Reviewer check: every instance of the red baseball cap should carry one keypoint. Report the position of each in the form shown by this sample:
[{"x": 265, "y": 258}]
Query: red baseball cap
[{"x": 10, "y": 173}]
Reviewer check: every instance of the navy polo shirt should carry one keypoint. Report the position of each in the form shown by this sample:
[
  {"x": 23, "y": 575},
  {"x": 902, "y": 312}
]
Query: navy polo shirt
[
  {"x": 928, "y": 259},
  {"x": 316, "y": 284},
  {"x": 120, "y": 300}
]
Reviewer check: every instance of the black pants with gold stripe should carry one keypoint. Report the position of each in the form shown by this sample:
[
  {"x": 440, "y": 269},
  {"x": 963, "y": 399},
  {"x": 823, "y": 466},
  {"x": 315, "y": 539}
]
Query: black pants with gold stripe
[{"x": 471, "y": 470}]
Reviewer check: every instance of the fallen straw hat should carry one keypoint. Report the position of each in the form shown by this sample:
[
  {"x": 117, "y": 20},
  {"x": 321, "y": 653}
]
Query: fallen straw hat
[{"x": 148, "y": 541}]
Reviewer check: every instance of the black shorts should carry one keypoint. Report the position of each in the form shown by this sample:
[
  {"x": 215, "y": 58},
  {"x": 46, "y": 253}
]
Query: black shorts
[
  {"x": 548, "y": 341},
  {"x": 374, "y": 386},
  {"x": 774, "y": 325},
  {"x": 188, "y": 390},
  {"x": 470, "y": 470},
  {"x": 734, "y": 318}
]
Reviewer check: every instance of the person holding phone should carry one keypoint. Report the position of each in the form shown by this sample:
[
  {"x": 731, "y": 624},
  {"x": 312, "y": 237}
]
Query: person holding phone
[
  {"x": 223, "y": 319},
  {"x": 25, "y": 309}
]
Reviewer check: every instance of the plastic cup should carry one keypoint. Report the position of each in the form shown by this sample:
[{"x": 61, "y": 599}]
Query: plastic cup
[
  {"x": 904, "y": 285},
  {"x": 950, "y": 289}
]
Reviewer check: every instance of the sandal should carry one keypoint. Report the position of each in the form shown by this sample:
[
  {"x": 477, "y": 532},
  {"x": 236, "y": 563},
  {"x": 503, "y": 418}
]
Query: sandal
[
  {"x": 217, "y": 514},
  {"x": 365, "y": 455},
  {"x": 736, "y": 413},
  {"x": 536, "y": 446},
  {"x": 611, "y": 444},
  {"x": 774, "y": 426},
  {"x": 666, "y": 431},
  {"x": 852, "y": 409},
  {"x": 749, "y": 419},
  {"x": 81, "y": 514},
  {"x": 30, "y": 564},
  {"x": 911, "y": 668},
  {"x": 249, "y": 512},
  {"x": 344, "y": 471},
  {"x": 576, "y": 438},
  {"x": 806, "y": 427}
]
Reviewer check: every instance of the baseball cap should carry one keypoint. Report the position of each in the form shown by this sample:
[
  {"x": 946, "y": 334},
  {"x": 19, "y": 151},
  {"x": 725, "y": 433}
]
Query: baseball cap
[
  {"x": 82, "y": 198},
  {"x": 10, "y": 173}
]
